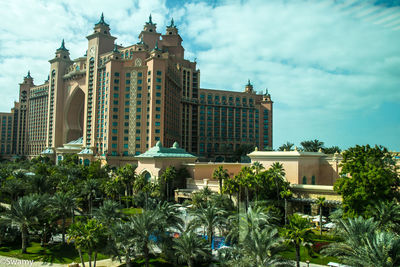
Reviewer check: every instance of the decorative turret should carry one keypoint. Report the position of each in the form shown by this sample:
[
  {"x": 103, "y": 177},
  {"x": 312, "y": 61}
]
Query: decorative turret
[
  {"x": 156, "y": 52},
  {"x": 266, "y": 96},
  {"x": 62, "y": 52},
  {"x": 102, "y": 22},
  {"x": 156, "y": 47},
  {"x": 62, "y": 47},
  {"x": 102, "y": 26},
  {"x": 150, "y": 26},
  {"x": 149, "y": 35},
  {"x": 28, "y": 76},
  {"x": 249, "y": 87},
  {"x": 171, "y": 29}
]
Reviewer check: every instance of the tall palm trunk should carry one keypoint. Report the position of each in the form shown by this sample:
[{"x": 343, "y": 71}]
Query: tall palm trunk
[
  {"x": 63, "y": 230},
  {"x": 24, "y": 234},
  {"x": 286, "y": 204},
  {"x": 90, "y": 257},
  {"x": 297, "y": 254},
  {"x": 210, "y": 236},
  {"x": 220, "y": 186},
  {"x": 247, "y": 198},
  {"x": 95, "y": 258},
  {"x": 81, "y": 257},
  {"x": 146, "y": 254},
  {"x": 320, "y": 219},
  {"x": 128, "y": 260}
]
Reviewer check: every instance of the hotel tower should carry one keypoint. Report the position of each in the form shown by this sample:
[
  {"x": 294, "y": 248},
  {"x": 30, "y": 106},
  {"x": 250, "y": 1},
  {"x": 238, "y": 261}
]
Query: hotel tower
[{"x": 116, "y": 102}]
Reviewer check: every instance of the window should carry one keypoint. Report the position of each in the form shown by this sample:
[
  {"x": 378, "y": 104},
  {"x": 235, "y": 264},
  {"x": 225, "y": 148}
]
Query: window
[
  {"x": 158, "y": 94},
  {"x": 307, "y": 209},
  {"x": 313, "y": 180},
  {"x": 158, "y": 87},
  {"x": 159, "y": 72},
  {"x": 140, "y": 74},
  {"x": 114, "y": 131},
  {"x": 158, "y": 80},
  {"x": 116, "y": 74},
  {"x": 114, "y": 145},
  {"x": 157, "y": 123},
  {"x": 158, "y": 116},
  {"x": 125, "y": 145},
  {"x": 304, "y": 180},
  {"x": 114, "y": 138},
  {"x": 157, "y": 130}
]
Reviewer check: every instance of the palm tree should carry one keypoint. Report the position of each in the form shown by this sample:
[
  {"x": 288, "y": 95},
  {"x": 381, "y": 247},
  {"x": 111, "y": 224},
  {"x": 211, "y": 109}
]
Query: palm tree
[
  {"x": 221, "y": 175},
  {"x": 210, "y": 218},
  {"x": 297, "y": 232},
  {"x": 321, "y": 203},
  {"x": 89, "y": 236},
  {"x": 63, "y": 205},
  {"x": 90, "y": 188},
  {"x": 387, "y": 214},
  {"x": 123, "y": 241},
  {"x": 286, "y": 147},
  {"x": 190, "y": 247},
  {"x": 171, "y": 214},
  {"x": 25, "y": 212},
  {"x": 312, "y": 145},
  {"x": 149, "y": 223},
  {"x": 246, "y": 180},
  {"x": 257, "y": 167},
  {"x": 364, "y": 244},
  {"x": 286, "y": 194},
  {"x": 168, "y": 175},
  {"x": 278, "y": 174},
  {"x": 108, "y": 213},
  {"x": 262, "y": 248},
  {"x": 127, "y": 175}
]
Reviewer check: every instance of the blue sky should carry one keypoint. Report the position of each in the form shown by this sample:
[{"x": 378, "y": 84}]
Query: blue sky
[{"x": 332, "y": 67}]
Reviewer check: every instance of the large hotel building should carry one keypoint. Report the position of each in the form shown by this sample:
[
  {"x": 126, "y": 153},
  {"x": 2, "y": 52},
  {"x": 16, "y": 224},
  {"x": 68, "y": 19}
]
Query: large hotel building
[{"x": 116, "y": 102}]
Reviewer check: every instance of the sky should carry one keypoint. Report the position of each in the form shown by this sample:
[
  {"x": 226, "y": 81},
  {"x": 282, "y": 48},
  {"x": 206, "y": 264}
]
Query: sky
[{"x": 332, "y": 67}]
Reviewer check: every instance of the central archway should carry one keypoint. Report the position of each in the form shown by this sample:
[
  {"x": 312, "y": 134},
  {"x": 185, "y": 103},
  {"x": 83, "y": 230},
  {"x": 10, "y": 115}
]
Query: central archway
[{"x": 74, "y": 113}]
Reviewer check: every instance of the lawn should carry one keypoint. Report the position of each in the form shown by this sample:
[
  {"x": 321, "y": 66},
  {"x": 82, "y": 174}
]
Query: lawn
[
  {"x": 52, "y": 253},
  {"x": 315, "y": 257},
  {"x": 131, "y": 211}
]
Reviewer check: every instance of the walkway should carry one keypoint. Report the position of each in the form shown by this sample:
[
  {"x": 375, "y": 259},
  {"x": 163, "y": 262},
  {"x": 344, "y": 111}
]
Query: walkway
[{"x": 7, "y": 262}]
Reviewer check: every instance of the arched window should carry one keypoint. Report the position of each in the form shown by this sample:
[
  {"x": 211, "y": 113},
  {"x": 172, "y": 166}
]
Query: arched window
[
  {"x": 313, "y": 179},
  {"x": 86, "y": 162},
  {"x": 147, "y": 176},
  {"x": 304, "y": 180}
]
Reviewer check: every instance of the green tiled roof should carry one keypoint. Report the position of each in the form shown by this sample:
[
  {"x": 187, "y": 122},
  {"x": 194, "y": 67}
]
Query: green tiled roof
[{"x": 158, "y": 151}]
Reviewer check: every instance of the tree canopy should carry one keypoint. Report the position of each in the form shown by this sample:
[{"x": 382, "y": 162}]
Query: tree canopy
[{"x": 368, "y": 175}]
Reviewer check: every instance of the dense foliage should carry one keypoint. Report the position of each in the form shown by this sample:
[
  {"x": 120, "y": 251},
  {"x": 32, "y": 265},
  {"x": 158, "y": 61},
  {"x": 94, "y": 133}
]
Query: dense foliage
[{"x": 368, "y": 175}]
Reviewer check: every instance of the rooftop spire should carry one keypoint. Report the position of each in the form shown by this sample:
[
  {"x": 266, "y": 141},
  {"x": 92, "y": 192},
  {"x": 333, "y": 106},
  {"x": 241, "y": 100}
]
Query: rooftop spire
[
  {"x": 150, "y": 21},
  {"x": 141, "y": 41},
  {"x": 29, "y": 75},
  {"x": 62, "y": 47},
  {"x": 101, "y": 21},
  {"x": 248, "y": 82},
  {"x": 172, "y": 25},
  {"x": 156, "y": 47}
]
